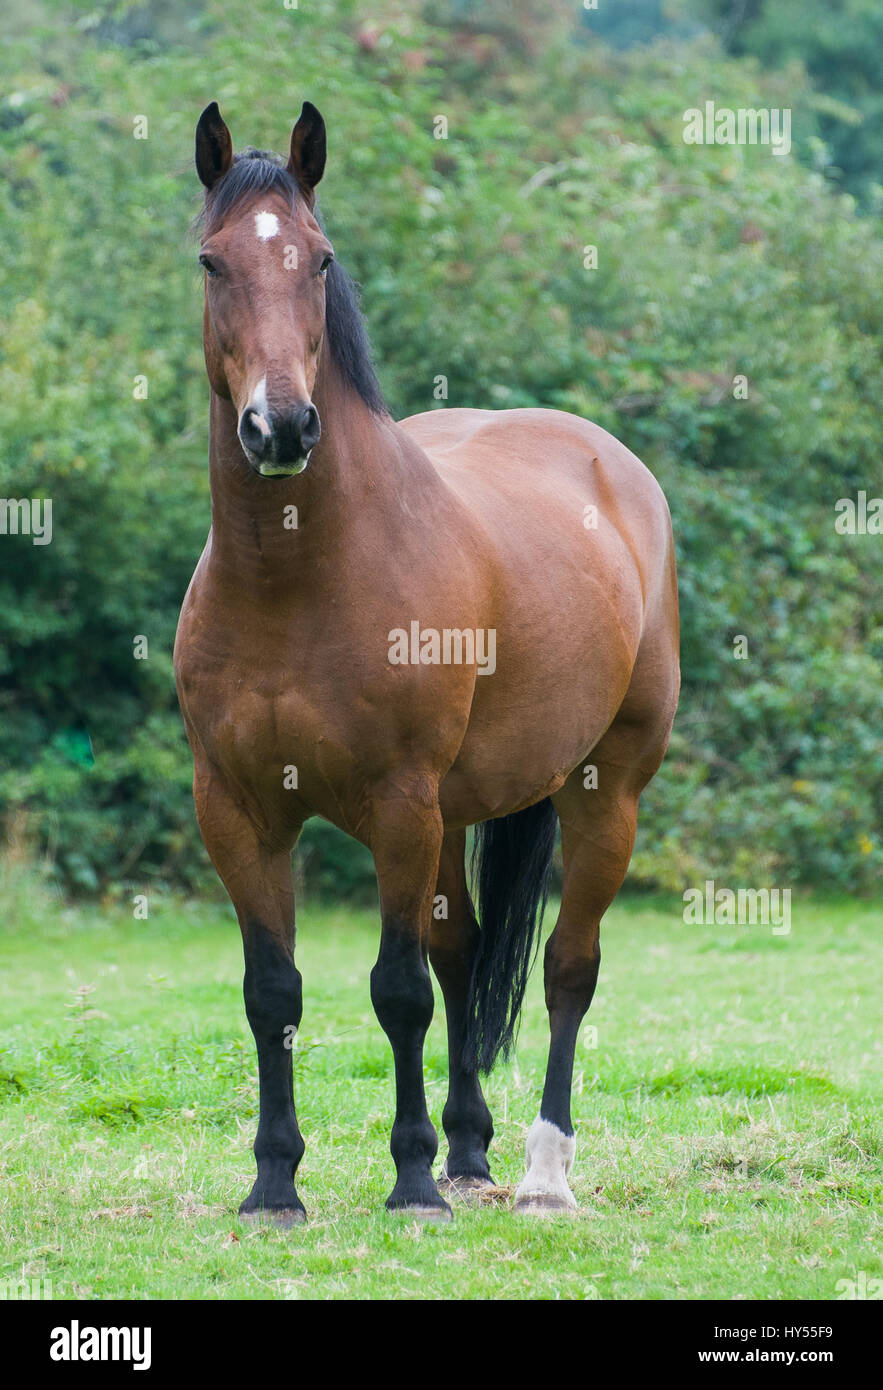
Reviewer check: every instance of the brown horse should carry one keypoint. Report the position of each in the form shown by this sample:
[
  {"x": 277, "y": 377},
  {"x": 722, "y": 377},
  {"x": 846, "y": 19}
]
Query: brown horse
[{"x": 409, "y": 628}]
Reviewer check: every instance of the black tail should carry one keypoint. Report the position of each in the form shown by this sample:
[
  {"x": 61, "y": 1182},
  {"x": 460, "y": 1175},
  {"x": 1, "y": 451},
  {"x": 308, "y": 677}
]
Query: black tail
[{"x": 510, "y": 863}]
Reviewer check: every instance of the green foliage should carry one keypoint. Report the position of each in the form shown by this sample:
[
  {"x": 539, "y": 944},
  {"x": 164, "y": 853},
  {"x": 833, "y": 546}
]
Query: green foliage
[
  {"x": 335, "y": 866},
  {"x": 839, "y": 43},
  {"x": 714, "y": 262}
]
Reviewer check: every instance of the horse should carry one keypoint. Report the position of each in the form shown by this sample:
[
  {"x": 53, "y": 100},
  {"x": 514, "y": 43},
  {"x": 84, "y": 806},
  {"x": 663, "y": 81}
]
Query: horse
[{"x": 465, "y": 618}]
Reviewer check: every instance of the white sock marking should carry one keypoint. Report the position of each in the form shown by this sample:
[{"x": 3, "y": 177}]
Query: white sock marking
[{"x": 550, "y": 1157}]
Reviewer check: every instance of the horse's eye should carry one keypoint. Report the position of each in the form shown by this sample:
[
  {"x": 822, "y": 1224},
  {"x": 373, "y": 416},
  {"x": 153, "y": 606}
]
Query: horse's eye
[
  {"x": 325, "y": 264},
  {"x": 207, "y": 266}
]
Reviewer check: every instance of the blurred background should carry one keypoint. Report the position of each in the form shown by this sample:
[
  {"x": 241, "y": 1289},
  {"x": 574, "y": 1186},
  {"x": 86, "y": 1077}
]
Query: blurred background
[{"x": 564, "y": 130}]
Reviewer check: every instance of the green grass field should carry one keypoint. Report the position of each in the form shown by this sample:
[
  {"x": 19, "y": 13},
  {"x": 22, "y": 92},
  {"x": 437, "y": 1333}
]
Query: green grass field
[{"x": 728, "y": 1134}]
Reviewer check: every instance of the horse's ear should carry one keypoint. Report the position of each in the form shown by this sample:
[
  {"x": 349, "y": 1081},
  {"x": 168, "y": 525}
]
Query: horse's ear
[
  {"x": 214, "y": 146},
  {"x": 307, "y": 158}
]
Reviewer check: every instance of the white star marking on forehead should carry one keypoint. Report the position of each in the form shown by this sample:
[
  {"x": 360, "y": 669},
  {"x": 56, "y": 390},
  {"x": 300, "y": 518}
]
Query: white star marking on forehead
[{"x": 266, "y": 224}]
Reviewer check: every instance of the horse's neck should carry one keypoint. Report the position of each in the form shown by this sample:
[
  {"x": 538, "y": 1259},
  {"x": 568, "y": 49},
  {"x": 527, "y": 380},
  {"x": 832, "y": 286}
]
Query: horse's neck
[{"x": 360, "y": 473}]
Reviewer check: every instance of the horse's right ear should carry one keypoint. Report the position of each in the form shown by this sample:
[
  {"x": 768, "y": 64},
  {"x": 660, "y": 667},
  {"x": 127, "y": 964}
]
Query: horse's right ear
[{"x": 214, "y": 146}]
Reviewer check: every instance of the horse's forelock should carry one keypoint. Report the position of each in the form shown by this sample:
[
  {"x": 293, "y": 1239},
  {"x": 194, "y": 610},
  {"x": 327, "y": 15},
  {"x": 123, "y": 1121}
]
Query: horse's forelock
[{"x": 252, "y": 172}]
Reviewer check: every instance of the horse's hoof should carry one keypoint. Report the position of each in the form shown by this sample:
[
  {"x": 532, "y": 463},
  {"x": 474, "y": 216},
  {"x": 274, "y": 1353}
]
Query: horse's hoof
[
  {"x": 473, "y": 1192},
  {"x": 424, "y": 1213},
  {"x": 281, "y": 1217},
  {"x": 423, "y": 1205},
  {"x": 544, "y": 1204}
]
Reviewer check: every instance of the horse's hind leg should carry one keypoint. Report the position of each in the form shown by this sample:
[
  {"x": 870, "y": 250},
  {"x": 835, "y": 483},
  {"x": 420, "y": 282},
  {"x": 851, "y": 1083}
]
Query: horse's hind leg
[
  {"x": 597, "y": 835},
  {"x": 453, "y": 942}
]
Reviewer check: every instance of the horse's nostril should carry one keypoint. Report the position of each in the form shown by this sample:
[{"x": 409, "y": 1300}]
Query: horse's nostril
[
  {"x": 310, "y": 428},
  {"x": 254, "y": 431}
]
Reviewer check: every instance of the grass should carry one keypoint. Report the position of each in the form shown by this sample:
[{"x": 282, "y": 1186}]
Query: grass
[{"x": 728, "y": 1139}]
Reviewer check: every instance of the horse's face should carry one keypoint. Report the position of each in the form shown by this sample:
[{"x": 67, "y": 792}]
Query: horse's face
[
  {"x": 265, "y": 260},
  {"x": 264, "y": 321}
]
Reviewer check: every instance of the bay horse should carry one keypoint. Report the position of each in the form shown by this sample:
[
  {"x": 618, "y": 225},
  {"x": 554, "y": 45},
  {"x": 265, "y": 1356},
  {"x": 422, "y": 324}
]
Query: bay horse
[{"x": 466, "y": 618}]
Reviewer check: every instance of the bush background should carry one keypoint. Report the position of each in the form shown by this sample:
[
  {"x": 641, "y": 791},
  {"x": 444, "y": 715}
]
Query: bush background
[{"x": 565, "y": 129}]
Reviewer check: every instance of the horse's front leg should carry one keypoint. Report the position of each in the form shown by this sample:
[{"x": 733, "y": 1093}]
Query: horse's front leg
[
  {"x": 258, "y": 880},
  {"x": 406, "y": 836}
]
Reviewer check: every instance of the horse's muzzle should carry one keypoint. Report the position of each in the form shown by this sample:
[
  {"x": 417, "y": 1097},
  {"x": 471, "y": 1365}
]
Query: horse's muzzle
[{"x": 278, "y": 444}]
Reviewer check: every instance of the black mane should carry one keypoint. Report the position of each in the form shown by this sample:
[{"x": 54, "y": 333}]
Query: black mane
[{"x": 260, "y": 171}]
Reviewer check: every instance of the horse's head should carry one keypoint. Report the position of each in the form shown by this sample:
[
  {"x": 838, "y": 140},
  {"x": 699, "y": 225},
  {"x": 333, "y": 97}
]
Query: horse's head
[{"x": 266, "y": 259}]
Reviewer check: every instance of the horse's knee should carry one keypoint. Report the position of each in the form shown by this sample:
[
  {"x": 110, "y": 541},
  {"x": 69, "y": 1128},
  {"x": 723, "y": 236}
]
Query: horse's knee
[
  {"x": 401, "y": 988},
  {"x": 272, "y": 989}
]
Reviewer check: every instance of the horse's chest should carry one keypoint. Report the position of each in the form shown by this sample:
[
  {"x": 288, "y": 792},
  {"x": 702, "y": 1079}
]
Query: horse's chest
[
  {"x": 249, "y": 726},
  {"x": 284, "y": 747}
]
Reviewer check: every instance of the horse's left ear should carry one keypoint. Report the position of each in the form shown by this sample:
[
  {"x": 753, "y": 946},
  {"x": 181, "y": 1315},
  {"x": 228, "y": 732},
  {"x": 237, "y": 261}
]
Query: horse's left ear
[{"x": 307, "y": 158}]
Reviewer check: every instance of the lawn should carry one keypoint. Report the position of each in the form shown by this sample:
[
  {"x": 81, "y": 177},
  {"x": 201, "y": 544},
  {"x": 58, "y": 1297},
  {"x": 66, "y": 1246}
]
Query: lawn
[{"x": 726, "y": 1109}]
